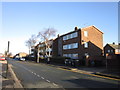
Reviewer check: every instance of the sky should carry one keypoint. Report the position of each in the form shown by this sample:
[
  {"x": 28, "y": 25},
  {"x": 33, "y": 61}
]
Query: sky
[{"x": 22, "y": 19}]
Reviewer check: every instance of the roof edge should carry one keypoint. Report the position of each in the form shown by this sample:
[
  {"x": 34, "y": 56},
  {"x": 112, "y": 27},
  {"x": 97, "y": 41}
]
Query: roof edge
[{"x": 94, "y": 27}]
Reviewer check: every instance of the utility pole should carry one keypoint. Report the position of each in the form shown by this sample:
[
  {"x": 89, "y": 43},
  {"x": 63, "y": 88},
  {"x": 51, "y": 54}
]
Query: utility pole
[
  {"x": 7, "y": 59},
  {"x": 8, "y": 48}
]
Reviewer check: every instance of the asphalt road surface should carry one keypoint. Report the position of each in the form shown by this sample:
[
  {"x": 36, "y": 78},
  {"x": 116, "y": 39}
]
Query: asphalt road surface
[{"x": 33, "y": 75}]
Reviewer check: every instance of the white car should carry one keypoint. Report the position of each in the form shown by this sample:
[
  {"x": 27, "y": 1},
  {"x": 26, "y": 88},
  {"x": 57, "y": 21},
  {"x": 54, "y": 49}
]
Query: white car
[{"x": 22, "y": 59}]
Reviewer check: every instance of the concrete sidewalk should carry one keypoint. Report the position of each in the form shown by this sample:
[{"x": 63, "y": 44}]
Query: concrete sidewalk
[{"x": 9, "y": 79}]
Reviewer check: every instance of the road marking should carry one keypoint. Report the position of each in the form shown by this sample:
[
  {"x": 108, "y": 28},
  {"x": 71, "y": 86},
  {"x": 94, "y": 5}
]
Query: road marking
[
  {"x": 35, "y": 73},
  {"x": 64, "y": 69},
  {"x": 42, "y": 77},
  {"x": 55, "y": 84},
  {"x": 38, "y": 75},
  {"x": 91, "y": 74},
  {"x": 104, "y": 77},
  {"x": 48, "y": 81}
]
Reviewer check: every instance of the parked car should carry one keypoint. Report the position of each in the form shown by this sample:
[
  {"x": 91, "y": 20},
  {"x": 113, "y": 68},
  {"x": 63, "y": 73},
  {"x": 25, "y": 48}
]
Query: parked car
[
  {"x": 72, "y": 62},
  {"x": 17, "y": 59},
  {"x": 2, "y": 58},
  {"x": 22, "y": 59}
]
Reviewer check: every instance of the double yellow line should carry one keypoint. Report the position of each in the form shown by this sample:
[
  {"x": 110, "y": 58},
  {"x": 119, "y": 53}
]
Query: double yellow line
[
  {"x": 87, "y": 73},
  {"x": 91, "y": 74}
]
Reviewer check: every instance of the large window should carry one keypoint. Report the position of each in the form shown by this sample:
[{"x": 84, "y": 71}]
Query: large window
[
  {"x": 70, "y": 36},
  {"x": 70, "y": 46}
]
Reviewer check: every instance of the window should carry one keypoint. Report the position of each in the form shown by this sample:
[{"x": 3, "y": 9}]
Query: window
[
  {"x": 69, "y": 55},
  {"x": 65, "y": 47},
  {"x": 75, "y": 45},
  {"x": 85, "y": 33},
  {"x": 108, "y": 51},
  {"x": 65, "y": 55},
  {"x": 75, "y": 34},
  {"x": 49, "y": 49},
  {"x": 86, "y": 54},
  {"x": 64, "y": 38},
  {"x": 75, "y": 55},
  {"x": 69, "y": 36},
  {"x": 41, "y": 50},
  {"x": 86, "y": 44},
  {"x": 117, "y": 50},
  {"x": 70, "y": 46}
]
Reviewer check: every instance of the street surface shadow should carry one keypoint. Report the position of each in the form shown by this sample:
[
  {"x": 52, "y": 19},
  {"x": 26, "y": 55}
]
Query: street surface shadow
[{"x": 93, "y": 83}]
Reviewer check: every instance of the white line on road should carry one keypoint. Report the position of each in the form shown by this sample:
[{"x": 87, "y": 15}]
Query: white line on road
[
  {"x": 35, "y": 73},
  {"x": 48, "y": 81},
  {"x": 38, "y": 75},
  {"x": 42, "y": 77},
  {"x": 55, "y": 84}
]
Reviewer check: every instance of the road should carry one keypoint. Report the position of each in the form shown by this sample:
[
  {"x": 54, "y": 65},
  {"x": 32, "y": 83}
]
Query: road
[{"x": 33, "y": 75}]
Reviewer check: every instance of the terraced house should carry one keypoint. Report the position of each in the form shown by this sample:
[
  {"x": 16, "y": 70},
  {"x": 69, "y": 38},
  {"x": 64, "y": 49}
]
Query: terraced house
[{"x": 80, "y": 43}]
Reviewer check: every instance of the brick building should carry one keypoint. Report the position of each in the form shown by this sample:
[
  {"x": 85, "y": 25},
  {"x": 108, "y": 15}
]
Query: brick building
[
  {"x": 42, "y": 49},
  {"x": 79, "y": 43},
  {"x": 111, "y": 49}
]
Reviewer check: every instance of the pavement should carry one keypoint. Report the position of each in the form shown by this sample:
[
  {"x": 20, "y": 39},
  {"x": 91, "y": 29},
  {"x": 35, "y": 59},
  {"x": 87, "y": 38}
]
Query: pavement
[{"x": 9, "y": 79}]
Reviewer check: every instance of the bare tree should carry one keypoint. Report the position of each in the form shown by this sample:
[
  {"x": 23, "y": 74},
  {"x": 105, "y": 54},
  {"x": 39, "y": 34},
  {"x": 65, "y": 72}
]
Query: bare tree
[
  {"x": 31, "y": 42},
  {"x": 46, "y": 37},
  {"x": 9, "y": 54}
]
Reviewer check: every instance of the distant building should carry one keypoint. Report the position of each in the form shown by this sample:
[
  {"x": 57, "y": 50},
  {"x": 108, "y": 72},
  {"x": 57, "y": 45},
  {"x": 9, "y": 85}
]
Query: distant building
[
  {"x": 21, "y": 54},
  {"x": 111, "y": 49},
  {"x": 2, "y": 54},
  {"x": 42, "y": 49},
  {"x": 80, "y": 43}
]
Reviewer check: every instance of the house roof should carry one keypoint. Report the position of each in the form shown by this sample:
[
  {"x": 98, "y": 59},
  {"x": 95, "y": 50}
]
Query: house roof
[{"x": 115, "y": 46}]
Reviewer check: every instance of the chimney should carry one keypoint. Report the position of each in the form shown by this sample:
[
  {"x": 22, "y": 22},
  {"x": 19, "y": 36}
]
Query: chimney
[
  {"x": 58, "y": 35},
  {"x": 114, "y": 43},
  {"x": 76, "y": 28}
]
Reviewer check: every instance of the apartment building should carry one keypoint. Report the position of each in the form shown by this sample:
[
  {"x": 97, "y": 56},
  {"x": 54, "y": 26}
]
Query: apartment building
[
  {"x": 42, "y": 49},
  {"x": 80, "y": 43}
]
